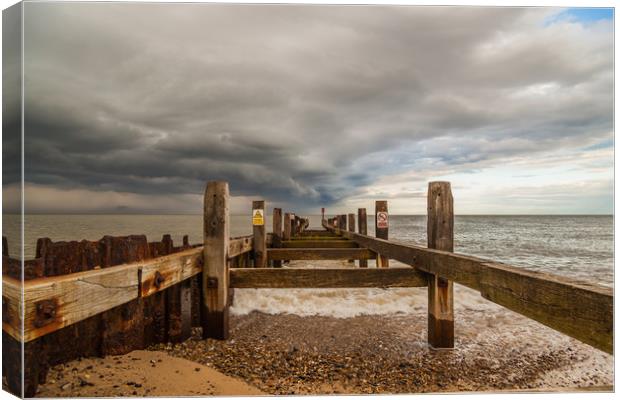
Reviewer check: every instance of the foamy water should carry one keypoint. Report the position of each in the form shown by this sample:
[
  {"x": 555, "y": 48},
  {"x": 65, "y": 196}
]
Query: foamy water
[
  {"x": 338, "y": 303},
  {"x": 345, "y": 303}
]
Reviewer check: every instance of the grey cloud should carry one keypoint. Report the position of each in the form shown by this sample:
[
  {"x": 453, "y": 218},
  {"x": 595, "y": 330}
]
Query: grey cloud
[{"x": 299, "y": 104}]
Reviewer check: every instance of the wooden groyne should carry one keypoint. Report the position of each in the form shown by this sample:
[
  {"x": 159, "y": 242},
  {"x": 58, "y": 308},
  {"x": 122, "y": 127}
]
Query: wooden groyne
[{"x": 118, "y": 294}]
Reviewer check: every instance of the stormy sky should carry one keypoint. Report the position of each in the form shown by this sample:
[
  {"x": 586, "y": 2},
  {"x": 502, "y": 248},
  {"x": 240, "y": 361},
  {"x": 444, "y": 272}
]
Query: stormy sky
[{"x": 133, "y": 107}]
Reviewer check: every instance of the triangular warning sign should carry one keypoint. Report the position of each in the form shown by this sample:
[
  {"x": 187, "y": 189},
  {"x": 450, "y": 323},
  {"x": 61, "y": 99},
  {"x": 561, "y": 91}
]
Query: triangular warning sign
[{"x": 257, "y": 217}]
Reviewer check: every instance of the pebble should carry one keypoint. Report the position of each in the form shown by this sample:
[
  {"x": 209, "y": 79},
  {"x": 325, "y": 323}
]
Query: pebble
[{"x": 368, "y": 355}]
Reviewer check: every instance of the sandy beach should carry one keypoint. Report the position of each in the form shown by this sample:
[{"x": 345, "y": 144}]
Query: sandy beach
[
  {"x": 363, "y": 341},
  {"x": 140, "y": 373}
]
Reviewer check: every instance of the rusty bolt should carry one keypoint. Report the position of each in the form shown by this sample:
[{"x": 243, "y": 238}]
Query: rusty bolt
[
  {"x": 211, "y": 283},
  {"x": 159, "y": 279},
  {"x": 46, "y": 312}
]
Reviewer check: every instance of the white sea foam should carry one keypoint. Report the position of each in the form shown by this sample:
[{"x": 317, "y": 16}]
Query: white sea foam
[
  {"x": 338, "y": 303},
  {"x": 348, "y": 303}
]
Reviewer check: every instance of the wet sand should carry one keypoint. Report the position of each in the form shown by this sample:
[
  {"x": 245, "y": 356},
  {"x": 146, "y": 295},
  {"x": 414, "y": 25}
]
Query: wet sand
[{"x": 140, "y": 373}]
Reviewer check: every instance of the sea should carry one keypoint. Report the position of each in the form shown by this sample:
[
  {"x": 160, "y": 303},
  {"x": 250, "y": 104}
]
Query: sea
[{"x": 577, "y": 246}]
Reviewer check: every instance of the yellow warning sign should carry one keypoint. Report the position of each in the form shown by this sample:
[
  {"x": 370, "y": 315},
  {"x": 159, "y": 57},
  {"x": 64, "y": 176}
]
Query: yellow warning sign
[{"x": 257, "y": 217}]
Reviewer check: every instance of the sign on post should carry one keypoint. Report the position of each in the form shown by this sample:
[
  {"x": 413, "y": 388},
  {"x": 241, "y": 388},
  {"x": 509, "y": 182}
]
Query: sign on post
[
  {"x": 257, "y": 217},
  {"x": 382, "y": 219}
]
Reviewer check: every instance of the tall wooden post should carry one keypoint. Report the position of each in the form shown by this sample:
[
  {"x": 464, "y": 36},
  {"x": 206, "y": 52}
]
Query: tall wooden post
[
  {"x": 362, "y": 229},
  {"x": 351, "y": 222},
  {"x": 382, "y": 224},
  {"x": 258, "y": 230},
  {"x": 215, "y": 269},
  {"x": 351, "y": 228},
  {"x": 342, "y": 222},
  {"x": 277, "y": 233},
  {"x": 322, "y": 214},
  {"x": 440, "y": 235},
  {"x": 286, "y": 234}
]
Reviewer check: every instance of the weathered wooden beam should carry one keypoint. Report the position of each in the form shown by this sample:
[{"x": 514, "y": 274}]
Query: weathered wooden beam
[
  {"x": 440, "y": 235},
  {"x": 215, "y": 272},
  {"x": 287, "y": 231},
  {"x": 309, "y": 244},
  {"x": 51, "y": 303},
  {"x": 319, "y": 254},
  {"x": 239, "y": 245},
  {"x": 293, "y": 224},
  {"x": 258, "y": 229},
  {"x": 381, "y": 229},
  {"x": 342, "y": 221},
  {"x": 316, "y": 232},
  {"x": 581, "y": 310},
  {"x": 362, "y": 227},
  {"x": 351, "y": 227},
  {"x": 315, "y": 238},
  {"x": 351, "y": 223},
  {"x": 326, "y": 278}
]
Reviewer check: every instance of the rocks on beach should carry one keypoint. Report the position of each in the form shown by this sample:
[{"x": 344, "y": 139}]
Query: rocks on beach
[{"x": 287, "y": 354}]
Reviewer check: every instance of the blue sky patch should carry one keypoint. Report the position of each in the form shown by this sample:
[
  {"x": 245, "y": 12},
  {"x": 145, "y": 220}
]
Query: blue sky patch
[{"x": 585, "y": 15}]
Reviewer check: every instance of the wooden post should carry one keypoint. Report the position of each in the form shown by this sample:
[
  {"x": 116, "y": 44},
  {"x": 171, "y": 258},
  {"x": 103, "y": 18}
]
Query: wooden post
[
  {"x": 381, "y": 229},
  {"x": 322, "y": 214},
  {"x": 293, "y": 220},
  {"x": 362, "y": 230},
  {"x": 277, "y": 233},
  {"x": 215, "y": 268},
  {"x": 258, "y": 229},
  {"x": 342, "y": 222},
  {"x": 296, "y": 225},
  {"x": 352, "y": 228},
  {"x": 440, "y": 236},
  {"x": 351, "y": 222},
  {"x": 286, "y": 234}
]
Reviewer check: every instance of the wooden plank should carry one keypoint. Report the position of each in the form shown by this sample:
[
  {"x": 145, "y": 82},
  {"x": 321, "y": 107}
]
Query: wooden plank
[
  {"x": 287, "y": 230},
  {"x": 239, "y": 245},
  {"x": 319, "y": 254},
  {"x": 362, "y": 227},
  {"x": 440, "y": 235},
  {"x": 215, "y": 269},
  {"x": 326, "y": 278},
  {"x": 122, "y": 327},
  {"x": 342, "y": 221},
  {"x": 258, "y": 229},
  {"x": 11, "y": 306},
  {"x": 351, "y": 226},
  {"x": 83, "y": 294},
  {"x": 317, "y": 232},
  {"x": 315, "y": 238},
  {"x": 341, "y": 244},
  {"x": 578, "y": 309},
  {"x": 169, "y": 270},
  {"x": 381, "y": 206}
]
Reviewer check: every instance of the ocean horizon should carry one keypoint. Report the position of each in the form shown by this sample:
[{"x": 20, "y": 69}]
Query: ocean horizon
[{"x": 576, "y": 246}]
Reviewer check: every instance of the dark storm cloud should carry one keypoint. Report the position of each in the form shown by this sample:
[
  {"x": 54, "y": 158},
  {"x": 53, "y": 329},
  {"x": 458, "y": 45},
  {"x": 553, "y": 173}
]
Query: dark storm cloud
[{"x": 305, "y": 104}]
